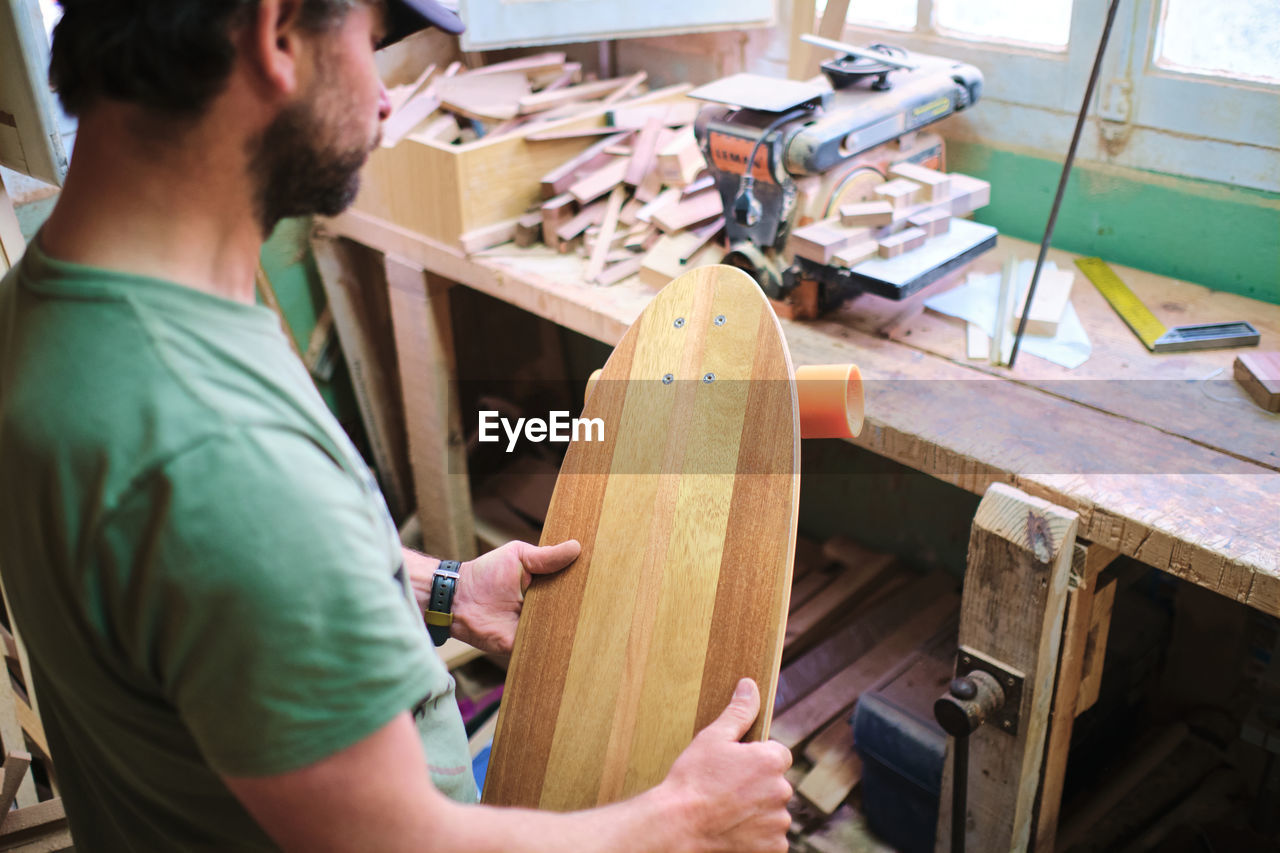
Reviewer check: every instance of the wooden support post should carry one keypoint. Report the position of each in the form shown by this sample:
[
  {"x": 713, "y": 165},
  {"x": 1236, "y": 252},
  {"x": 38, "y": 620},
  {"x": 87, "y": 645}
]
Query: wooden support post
[
  {"x": 1087, "y": 562},
  {"x": 1015, "y": 595},
  {"x": 437, "y": 447},
  {"x": 352, "y": 280}
]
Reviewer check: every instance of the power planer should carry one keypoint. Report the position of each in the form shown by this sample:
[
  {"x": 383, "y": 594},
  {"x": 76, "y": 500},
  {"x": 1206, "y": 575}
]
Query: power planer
[{"x": 819, "y": 144}]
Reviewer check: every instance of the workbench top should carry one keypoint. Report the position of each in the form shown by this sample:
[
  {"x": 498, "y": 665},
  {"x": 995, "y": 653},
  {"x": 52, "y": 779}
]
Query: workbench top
[{"x": 1164, "y": 457}]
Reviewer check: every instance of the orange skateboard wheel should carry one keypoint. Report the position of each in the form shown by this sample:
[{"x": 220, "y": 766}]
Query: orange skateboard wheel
[{"x": 831, "y": 404}]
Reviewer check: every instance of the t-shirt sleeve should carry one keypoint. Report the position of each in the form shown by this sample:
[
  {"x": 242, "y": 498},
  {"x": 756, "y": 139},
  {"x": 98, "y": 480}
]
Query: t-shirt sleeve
[{"x": 264, "y": 596}]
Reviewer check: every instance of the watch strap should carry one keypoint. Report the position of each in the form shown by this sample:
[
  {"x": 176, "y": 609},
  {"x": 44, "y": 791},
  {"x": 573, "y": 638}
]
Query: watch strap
[{"x": 439, "y": 612}]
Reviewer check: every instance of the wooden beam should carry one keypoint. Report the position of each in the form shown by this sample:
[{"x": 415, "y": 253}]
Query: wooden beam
[
  {"x": 582, "y": 92},
  {"x": 806, "y": 624},
  {"x": 796, "y": 725},
  {"x": 15, "y": 769},
  {"x": 1087, "y": 562},
  {"x": 1015, "y": 595},
  {"x": 437, "y": 447},
  {"x": 559, "y": 179},
  {"x": 595, "y": 265},
  {"x": 353, "y": 280}
]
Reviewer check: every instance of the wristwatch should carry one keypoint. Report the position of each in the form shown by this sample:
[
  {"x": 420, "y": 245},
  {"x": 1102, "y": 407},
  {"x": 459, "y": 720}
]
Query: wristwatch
[{"x": 439, "y": 613}]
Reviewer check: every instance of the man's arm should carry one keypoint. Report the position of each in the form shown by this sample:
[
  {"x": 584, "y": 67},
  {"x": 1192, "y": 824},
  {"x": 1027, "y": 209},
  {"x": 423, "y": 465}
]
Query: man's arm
[
  {"x": 721, "y": 796},
  {"x": 491, "y": 588}
]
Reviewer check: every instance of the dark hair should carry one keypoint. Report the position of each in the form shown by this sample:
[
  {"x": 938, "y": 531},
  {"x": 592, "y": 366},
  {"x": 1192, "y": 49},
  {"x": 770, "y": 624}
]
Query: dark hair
[{"x": 171, "y": 56}]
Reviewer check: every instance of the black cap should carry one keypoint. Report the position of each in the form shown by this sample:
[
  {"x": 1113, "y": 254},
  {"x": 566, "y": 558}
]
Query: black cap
[{"x": 406, "y": 17}]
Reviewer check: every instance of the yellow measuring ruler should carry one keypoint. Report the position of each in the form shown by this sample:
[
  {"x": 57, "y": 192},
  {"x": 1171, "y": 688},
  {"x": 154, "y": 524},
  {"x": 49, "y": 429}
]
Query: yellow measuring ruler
[{"x": 1151, "y": 331}]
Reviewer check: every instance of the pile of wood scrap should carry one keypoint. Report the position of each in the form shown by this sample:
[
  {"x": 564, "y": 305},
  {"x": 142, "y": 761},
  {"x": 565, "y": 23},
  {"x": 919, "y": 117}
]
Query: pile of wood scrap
[
  {"x": 638, "y": 200},
  {"x": 456, "y": 104},
  {"x": 915, "y": 205},
  {"x": 855, "y": 619}
]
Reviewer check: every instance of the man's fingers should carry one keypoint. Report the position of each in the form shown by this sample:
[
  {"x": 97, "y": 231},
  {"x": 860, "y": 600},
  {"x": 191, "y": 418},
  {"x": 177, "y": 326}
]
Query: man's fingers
[
  {"x": 736, "y": 719},
  {"x": 550, "y": 558}
]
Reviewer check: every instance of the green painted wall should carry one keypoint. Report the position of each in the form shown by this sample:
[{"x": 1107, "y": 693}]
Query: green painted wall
[{"x": 1224, "y": 237}]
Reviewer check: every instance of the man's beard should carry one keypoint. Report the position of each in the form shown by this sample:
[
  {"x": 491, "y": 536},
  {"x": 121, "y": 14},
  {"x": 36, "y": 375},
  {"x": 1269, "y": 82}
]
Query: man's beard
[{"x": 296, "y": 173}]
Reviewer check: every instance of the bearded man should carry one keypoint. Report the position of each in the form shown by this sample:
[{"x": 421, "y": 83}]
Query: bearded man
[{"x": 225, "y": 635}]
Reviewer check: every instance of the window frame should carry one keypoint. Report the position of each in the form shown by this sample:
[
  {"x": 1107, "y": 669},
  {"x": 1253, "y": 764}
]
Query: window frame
[{"x": 1032, "y": 94}]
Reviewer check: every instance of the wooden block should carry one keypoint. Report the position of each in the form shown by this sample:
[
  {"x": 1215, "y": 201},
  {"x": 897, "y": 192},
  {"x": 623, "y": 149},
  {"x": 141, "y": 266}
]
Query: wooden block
[
  {"x": 933, "y": 222},
  {"x": 977, "y": 342},
  {"x": 621, "y": 270},
  {"x": 870, "y": 623},
  {"x": 630, "y": 211},
  {"x": 442, "y": 129},
  {"x": 667, "y": 198},
  {"x": 820, "y": 241},
  {"x": 1002, "y": 340},
  {"x": 601, "y": 181},
  {"x": 608, "y": 226},
  {"x": 484, "y": 97},
  {"x": 852, "y": 255},
  {"x": 559, "y": 179},
  {"x": 402, "y": 121},
  {"x": 937, "y": 185},
  {"x": 705, "y": 182},
  {"x": 698, "y": 208},
  {"x": 651, "y": 187},
  {"x": 633, "y": 84},
  {"x": 799, "y": 722},
  {"x": 968, "y": 194},
  {"x": 590, "y": 215},
  {"x": 529, "y": 229},
  {"x": 400, "y": 95},
  {"x": 806, "y": 624},
  {"x": 680, "y": 161},
  {"x": 866, "y": 213},
  {"x": 555, "y": 213},
  {"x": 526, "y": 65},
  {"x": 1259, "y": 374},
  {"x": 835, "y": 774},
  {"x": 670, "y": 115},
  {"x": 899, "y": 192},
  {"x": 646, "y": 150},
  {"x": 705, "y": 234},
  {"x": 570, "y": 133},
  {"x": 1015, "y": 593},
  {"x": 1053, "y": 292},
  {"x": 489, "y": 236},
  {"x": 903, "y": 241},
  {"x": 662, "y": 262},
  {"x": 581, "y": 92}
]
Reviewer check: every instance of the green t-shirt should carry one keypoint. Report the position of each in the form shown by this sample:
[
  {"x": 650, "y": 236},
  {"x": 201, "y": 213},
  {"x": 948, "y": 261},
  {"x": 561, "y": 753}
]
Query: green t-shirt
[{"x": 202, "y": 567}]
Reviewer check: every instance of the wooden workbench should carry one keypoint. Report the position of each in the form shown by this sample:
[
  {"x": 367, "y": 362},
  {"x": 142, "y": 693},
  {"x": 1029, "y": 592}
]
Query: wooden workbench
[{"x": 1163, "y": 456}]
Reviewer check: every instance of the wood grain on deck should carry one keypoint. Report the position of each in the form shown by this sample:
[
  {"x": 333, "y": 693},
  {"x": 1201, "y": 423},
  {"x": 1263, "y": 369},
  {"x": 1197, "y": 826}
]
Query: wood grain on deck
[{"x": 687, "y": 517}]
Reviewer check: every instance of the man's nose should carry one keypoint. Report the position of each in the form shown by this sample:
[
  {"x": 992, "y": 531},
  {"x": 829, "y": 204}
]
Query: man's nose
[{"x": 384, "y": 103}]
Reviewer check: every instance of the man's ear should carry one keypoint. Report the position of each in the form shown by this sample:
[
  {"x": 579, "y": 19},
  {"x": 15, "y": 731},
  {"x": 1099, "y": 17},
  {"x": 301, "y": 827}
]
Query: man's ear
[{"x": 274, "y": 44}]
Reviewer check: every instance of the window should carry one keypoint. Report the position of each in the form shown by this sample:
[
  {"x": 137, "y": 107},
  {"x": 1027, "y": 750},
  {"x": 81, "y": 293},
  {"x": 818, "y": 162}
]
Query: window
[{"x": 1187, "y": 87}]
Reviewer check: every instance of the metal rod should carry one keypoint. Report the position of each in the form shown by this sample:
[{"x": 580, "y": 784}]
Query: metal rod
[
  {"x": 861, "y": 53},
  {"x": 959, "y": 792},
  {"x": 1062, "y": 182}
]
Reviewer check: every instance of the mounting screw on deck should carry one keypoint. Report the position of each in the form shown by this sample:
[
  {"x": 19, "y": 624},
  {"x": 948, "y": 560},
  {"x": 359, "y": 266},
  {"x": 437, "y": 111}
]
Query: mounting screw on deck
[
  {"x": 709, "y": 378},
  {"x": 679, "y": 323},
  {"x": 720, "y": 320},
  {"x": 668, "y": 379}
]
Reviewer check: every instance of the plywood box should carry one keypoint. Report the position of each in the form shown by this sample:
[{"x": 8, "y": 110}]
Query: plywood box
[{"x": 443, "y": 191}]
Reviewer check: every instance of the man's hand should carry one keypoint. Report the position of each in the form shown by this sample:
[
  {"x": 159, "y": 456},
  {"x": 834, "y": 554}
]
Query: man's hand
[
  {"x": 491, "y": 589},
  {"x": 734, "y": 794}
]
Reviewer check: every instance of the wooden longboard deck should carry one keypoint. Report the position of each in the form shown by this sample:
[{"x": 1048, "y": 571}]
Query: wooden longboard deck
[{"x": 686, "y": 513}]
